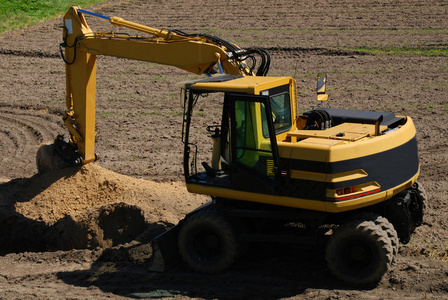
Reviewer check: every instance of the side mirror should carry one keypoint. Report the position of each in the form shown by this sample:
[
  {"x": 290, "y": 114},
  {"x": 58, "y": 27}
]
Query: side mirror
[
  {"x": 321, "y": 86},
  {"x": 183, "y": 97}
]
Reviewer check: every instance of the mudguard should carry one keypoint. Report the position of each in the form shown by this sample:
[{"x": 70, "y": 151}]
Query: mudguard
[{"x": 405, "y": 210}]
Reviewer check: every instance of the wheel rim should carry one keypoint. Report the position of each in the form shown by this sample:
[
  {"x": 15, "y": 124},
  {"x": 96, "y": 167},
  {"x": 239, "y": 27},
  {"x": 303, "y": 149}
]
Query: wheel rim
[
  {"x": 358, "y": 255},
  {"x": 207, "y": 244}
]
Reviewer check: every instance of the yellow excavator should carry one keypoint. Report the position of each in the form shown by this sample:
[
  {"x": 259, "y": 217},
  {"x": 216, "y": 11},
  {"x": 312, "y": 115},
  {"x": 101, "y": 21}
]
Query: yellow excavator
[{"x": 344, "y": 178}]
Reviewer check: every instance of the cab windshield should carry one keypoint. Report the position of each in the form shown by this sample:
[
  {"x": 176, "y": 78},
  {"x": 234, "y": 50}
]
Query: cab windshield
[{"x": 281, "y": 114}]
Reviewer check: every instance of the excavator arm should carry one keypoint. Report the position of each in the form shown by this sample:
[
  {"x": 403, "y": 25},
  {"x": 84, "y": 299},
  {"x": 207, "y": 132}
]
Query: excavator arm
[{"x": 195, "y": 53}]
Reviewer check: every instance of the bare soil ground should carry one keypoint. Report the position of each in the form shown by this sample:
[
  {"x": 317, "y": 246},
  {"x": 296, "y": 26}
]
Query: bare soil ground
[{"x": 56, "y": 238}]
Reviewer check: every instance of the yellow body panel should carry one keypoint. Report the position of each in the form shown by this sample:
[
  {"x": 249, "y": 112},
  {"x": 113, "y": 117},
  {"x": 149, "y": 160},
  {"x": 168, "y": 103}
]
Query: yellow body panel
[
  {"x": 324, "y": 177},
  {"x": 325, "y": 206},
  {"x": 313, "y": 149},
  {"x": 255, "y": 197},
  {"x": 252, "y": 85},
  {"x": 375, "y": 144},
  {"x": 342, "y": 132},
  {"x": 325, "y": 146},
  {"x": 341, "y": 206}
]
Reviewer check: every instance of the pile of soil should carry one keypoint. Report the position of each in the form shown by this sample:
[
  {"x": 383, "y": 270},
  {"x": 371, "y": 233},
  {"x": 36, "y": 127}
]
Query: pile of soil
[{"x": 87, "y": 207}]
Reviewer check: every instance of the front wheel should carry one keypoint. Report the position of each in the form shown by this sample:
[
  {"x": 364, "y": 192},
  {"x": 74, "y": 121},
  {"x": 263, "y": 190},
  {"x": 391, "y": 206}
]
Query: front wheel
[
  {"x": 359, "y": 252},
  {"x": 207, "y": 242}
]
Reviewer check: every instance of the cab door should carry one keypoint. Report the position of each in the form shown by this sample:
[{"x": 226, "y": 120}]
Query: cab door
[{"x": 255, "y": 162}]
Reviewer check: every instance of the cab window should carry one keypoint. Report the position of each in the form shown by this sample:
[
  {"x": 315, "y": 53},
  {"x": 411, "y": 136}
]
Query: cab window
[
  {"x": 253, "y": 149},
  {"x": 281, "y": 114}
]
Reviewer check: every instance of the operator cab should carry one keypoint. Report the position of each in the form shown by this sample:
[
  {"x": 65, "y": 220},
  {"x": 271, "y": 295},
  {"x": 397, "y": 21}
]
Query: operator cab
[{"x": 245, "y": 154}]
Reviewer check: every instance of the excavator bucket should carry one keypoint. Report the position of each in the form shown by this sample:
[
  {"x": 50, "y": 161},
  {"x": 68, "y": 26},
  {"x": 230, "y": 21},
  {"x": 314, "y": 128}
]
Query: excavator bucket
[{"x": 164, "y": 250}]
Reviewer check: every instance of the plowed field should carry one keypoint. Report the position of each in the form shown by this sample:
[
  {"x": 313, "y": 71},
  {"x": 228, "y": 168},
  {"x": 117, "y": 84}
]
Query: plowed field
[{"x": 137, "y": 184}]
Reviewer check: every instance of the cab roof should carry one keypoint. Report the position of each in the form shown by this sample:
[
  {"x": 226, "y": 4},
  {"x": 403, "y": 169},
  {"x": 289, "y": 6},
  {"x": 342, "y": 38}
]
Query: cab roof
[{"x": 239, "y": 84}]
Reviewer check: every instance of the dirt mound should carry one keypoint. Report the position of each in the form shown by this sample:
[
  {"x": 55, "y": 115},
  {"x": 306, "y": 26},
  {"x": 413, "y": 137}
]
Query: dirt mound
[
  {"x": 105, "y": 226},
  {"x": 87, "y": 207}
]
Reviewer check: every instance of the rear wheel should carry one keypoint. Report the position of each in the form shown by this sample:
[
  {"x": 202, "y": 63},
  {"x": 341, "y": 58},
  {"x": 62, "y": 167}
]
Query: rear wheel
[
  {"x": 387, "y": 226},
  {"x": 391, "y": 233},
  {"x": 359, "y": 252},
  {"x": 207, "y": 242}
]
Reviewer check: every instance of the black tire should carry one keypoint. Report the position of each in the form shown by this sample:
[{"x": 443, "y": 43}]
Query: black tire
[
  {"x": 207, "y": 242},
  {"x": 359, "y": 252},
  {"x": 387, "y": 226}
]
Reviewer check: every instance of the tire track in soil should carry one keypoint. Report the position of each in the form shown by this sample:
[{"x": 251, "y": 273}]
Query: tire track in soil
[
  {"x": 29, "y": 53},
  {"x": 21, "y": 133},
  {"x": 298, "y": 51}
]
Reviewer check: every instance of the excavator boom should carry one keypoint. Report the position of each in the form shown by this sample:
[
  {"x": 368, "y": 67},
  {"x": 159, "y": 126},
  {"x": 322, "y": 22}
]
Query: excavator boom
[{"x": 195, "y": 53}]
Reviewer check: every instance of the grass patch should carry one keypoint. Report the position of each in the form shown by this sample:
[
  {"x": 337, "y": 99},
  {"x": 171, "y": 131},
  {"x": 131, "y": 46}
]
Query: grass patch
[
  {"x": 106, "y": 114},
  {"x": 142, "y": 113},
  {"x": 172, "y": 97},
  {"x": 15, "y": 14},
  {"x": 56, "y": 101},
  {"x": 177, "y": 113}
]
